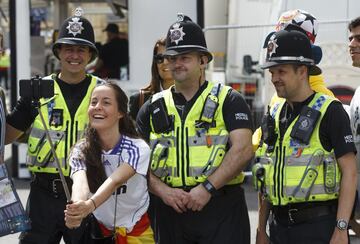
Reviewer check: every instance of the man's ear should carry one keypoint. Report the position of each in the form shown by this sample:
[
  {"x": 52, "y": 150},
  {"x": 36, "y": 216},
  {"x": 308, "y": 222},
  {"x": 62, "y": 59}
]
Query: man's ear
[
  {"x": 302, "y": 70},
  {"x": 203, "y": 60}
]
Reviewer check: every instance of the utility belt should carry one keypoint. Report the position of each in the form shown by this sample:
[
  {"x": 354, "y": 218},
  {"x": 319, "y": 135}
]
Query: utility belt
[
  {"x": 225, "y": 190},
  {"x": 298, "y": 213},
  {"x": 51, "y": 183}
]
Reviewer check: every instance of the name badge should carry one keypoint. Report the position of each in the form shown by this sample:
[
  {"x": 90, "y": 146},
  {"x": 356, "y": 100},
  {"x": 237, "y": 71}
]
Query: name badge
[{"x": 56, "y": 118}]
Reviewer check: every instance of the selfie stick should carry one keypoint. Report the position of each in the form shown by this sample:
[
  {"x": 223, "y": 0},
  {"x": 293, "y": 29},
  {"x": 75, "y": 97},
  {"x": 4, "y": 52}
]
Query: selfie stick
[
  {"x": 62, "y": 177},
  {"x": 36, "y": 101}
]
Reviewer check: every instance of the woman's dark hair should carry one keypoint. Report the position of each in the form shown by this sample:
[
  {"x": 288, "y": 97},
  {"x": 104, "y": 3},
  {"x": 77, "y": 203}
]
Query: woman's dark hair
[
  {"x": 156, "y": 80},
  {"x": 92, "y": 149}
]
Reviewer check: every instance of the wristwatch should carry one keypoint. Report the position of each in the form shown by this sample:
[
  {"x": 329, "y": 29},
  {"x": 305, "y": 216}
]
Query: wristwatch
[
  {"x": 209, "y": 187},
  {"x": 341, "y": 224}
]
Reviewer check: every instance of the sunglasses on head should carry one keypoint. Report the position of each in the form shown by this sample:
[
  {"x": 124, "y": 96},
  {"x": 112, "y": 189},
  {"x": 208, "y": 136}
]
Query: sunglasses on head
[{"x": 159, "y": 58}]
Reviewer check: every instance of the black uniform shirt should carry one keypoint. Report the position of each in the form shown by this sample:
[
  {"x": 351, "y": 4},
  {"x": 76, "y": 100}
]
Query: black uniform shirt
[
  {"x": 24, "y": 113},
  {"x": 235, "y": 111},
  {"x": 334, "y": 129},
  {"x": 134, "y": 103}
]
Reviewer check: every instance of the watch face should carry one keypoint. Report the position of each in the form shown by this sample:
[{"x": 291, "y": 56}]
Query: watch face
[{"x": 342, "y": 224}]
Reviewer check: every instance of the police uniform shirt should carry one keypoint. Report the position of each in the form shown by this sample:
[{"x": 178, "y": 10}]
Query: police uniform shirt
[
  {"x": 24, "y": 113},
  {"x": 132, "y": 197},
  {"x": 236, "y": 112},
  {"x": 335, "y": 132}
]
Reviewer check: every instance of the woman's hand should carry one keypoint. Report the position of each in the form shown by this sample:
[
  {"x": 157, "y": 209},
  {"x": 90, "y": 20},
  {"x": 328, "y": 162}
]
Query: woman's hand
[{"x": 76, "y": 212}]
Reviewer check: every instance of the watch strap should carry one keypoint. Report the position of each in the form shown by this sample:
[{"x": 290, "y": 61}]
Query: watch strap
[
  {"x": 209, "y": 186},
  {"x": 342, "y": 224}
]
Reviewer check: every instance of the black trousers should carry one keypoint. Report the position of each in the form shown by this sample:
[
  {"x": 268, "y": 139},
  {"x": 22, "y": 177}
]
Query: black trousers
[
  {"x": 315, "y": 231},
  {"x": 223, "y": 220},
  {"x": 47, "y": 219}
]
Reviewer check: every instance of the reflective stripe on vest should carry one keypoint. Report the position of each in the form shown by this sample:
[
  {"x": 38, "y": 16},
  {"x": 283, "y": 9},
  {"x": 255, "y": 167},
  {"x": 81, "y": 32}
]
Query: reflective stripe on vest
[
  {"x": 295, "y": 172},
  {"x": 39, "y": 157},
  {"x": 187, "y": 155}
]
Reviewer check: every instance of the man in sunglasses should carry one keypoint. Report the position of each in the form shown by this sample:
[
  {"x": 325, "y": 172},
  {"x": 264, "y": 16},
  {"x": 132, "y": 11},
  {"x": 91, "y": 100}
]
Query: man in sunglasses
[{"x": 200, "y": 134}]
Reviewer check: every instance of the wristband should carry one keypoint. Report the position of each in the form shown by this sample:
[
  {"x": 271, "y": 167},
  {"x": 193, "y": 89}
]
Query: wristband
[{"x": 92, "y": 200}]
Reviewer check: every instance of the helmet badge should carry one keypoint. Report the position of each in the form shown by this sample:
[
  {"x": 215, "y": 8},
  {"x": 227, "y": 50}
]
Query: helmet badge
[
  {"x": 180, "y": 17},
  {"x": 272, "y": 45},
  {"x": 176, "y": 34},
  {"x": 75, "y": 26},
  {"x": 78, "y": 12}
]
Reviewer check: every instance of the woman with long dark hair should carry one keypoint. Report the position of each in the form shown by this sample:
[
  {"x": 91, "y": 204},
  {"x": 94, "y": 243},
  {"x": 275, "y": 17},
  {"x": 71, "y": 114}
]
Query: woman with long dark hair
[
  {"x": 109, "y": 170},
  {"x": 161, "y": 79}
]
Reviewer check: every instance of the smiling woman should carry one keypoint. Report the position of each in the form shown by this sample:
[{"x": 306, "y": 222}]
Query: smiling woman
[
  {"x": 104, "y": 114},
  {"x": 161, "y": 79},
  {"x": 111, "y": 159}
]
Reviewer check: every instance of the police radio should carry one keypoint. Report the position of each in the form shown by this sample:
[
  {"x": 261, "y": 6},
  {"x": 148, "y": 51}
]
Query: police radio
[
  {"x": 269, "y": 135},
  {"x": 162, "y": 122},
  {"x": 209, "y": 109}
]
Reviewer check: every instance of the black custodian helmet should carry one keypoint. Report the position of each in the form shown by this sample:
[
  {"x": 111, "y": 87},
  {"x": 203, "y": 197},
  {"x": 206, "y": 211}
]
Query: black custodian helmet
[
  {"x": 290, "y": 47},
  {"x": 185, "y": 36},
  {"x": 76, "y": 30}
]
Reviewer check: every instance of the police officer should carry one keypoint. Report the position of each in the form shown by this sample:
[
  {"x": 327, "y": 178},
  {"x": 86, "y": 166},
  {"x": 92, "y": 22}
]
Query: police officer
[
  {"x": 66, "y": 118},
  {"x": 306, "y": 167},
  {"x": 288, "y": 20},
  {"x": 200, "y": 135}
]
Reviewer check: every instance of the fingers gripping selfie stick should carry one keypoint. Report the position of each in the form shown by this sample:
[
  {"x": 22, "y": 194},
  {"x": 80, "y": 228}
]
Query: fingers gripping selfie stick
[{"x": 37, "y": 88}]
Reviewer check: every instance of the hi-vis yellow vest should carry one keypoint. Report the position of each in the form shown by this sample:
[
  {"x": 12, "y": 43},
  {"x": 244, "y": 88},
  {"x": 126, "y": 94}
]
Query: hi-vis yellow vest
[
  {"x": 187, "y": 155},
  {"x": 295, "y": 172},
  {"x": 39, "y": 158}
]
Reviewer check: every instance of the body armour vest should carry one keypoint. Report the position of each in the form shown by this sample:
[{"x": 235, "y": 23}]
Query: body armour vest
[
  {"x": 188, "y": 153},
  {"x": 64, "y": 131},
  {"x": 292, "y": 171}
]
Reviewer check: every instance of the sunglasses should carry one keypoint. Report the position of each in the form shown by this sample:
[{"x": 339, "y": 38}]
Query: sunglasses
[{"x": 159, "y": 58}]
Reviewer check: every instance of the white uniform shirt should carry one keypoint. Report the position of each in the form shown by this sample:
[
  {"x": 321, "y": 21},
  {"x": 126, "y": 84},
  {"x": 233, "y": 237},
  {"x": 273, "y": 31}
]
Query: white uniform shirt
[
  {"x": 355, "y": 122},
  {"x": 132, "y": 197}
]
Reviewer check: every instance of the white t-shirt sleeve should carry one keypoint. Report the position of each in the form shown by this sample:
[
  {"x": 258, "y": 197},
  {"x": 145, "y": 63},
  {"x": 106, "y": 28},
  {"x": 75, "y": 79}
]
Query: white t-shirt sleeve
[
  {"x": 136, "y": 154},
  {"x": 76, "y": 159},
  {"x": 354, "y": 115}
]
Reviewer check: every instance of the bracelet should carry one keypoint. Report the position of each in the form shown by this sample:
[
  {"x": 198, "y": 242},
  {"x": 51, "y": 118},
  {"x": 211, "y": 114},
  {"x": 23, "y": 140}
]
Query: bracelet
[{"x": 92, "y": 200}]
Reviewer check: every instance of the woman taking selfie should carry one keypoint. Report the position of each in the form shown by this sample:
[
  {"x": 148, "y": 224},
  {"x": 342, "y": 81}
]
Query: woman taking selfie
[{"x": 109, "y": 171}]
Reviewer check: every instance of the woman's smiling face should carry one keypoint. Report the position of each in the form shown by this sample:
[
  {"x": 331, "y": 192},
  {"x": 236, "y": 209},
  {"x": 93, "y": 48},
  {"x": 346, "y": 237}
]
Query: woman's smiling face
[{"x": 103, "y": 109}]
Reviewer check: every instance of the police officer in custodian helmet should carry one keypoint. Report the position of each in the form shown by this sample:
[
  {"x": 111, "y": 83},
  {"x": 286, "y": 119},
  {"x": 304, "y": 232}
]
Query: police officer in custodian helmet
[
  {"x": 305, "y": 170},
  {"x": 200, "y": 134},
  {"x": 66, "y": 118}
]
